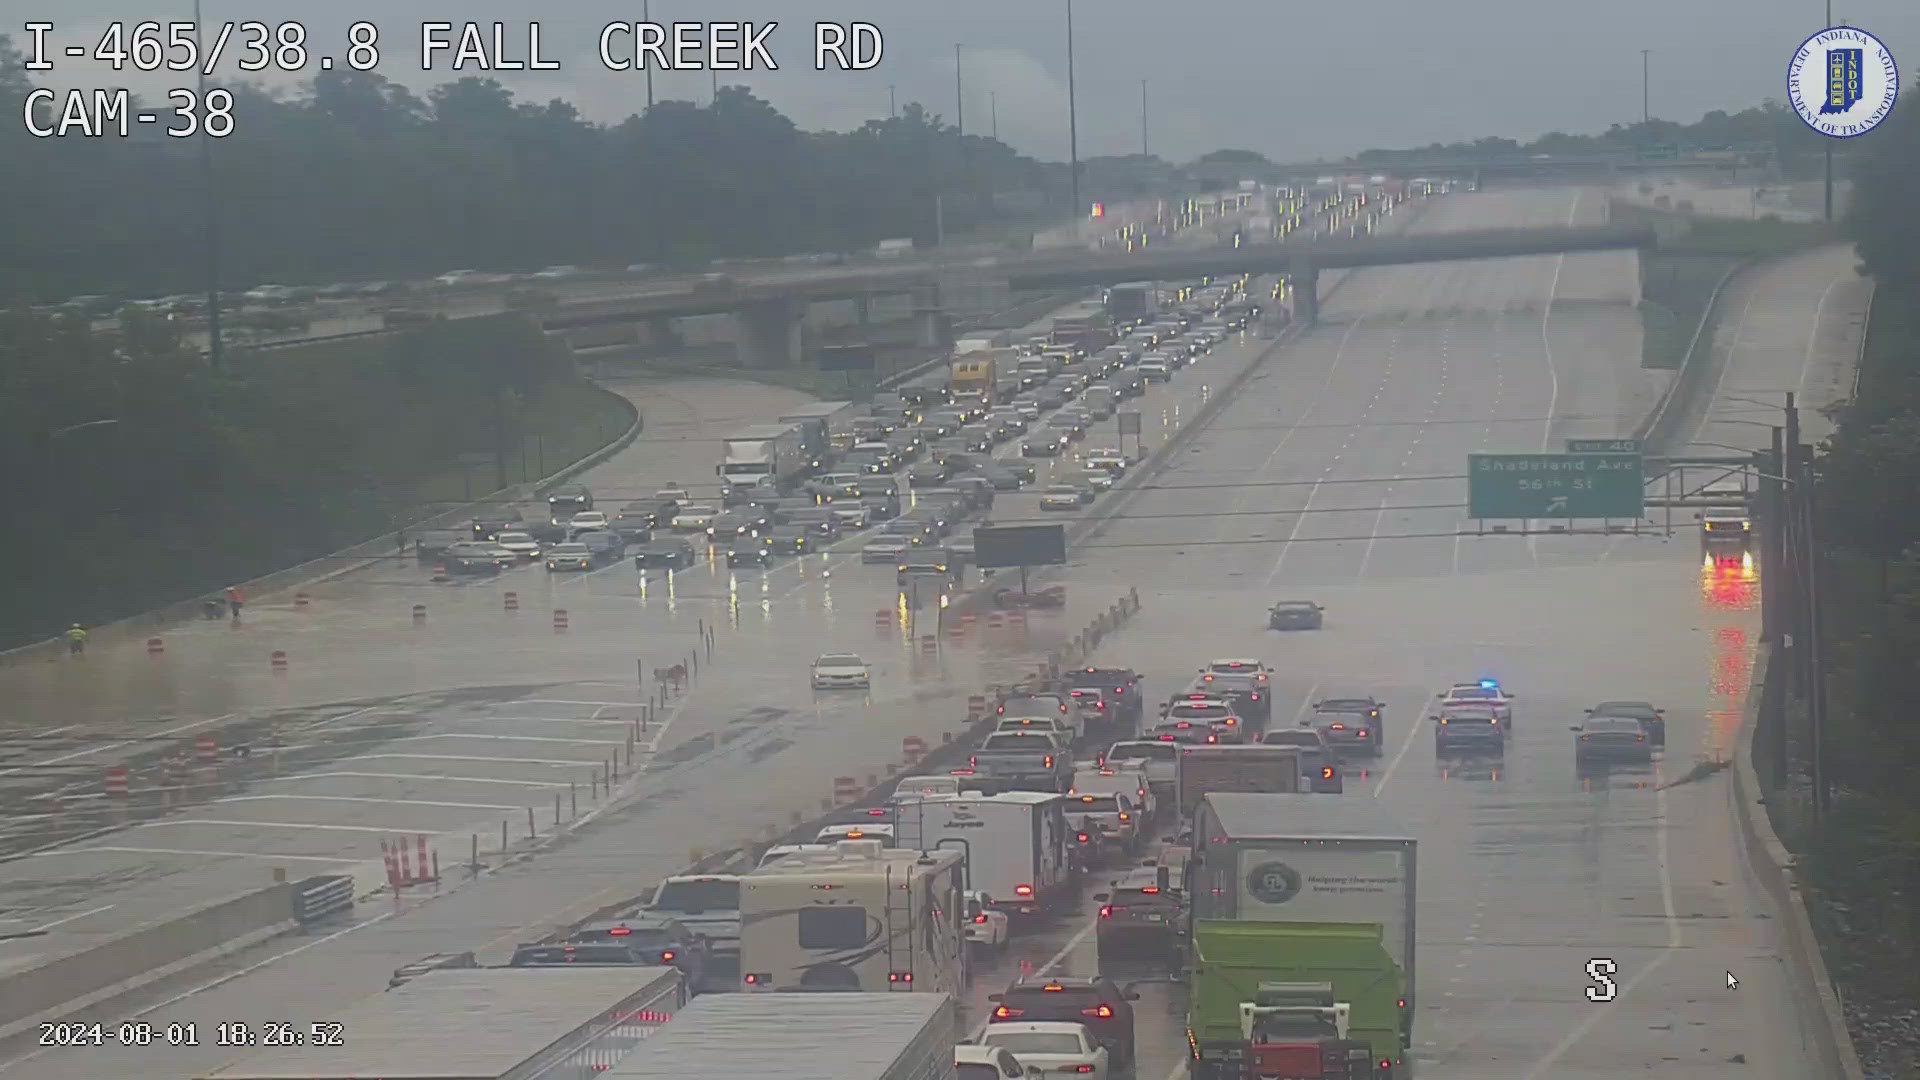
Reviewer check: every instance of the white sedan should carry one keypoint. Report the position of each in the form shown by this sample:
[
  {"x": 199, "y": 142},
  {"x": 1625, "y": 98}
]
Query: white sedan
[
  {"x": 587, "y": 519},
  {"x": 694, "y": 518},
  {"x": 987, "y": 927},
  {"x": 521, "y": 544},
  {"x": 841, "y": 671},
  {"x": 1483, "y": 692},
  {"x": 1050, "y": 1046}
]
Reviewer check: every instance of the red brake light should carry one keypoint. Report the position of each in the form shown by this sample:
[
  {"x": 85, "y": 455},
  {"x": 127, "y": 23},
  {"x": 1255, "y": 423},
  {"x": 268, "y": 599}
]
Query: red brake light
[
  {"x": 1083, "y": 1068},
  {"x": 1326, "y": 772},
  {"x": 619, "y": 931},
  {"x": 973, "y": 762},
  {"x": 1362, "y": 735},
  {"x": 1213, "y": 738},
  {"x": 1151, "y": 890},
  {"x": 1082, "y": 837},
  {"x": 900, "y": 976},
  {"x": 1023, "y": 890},
  {"x": 1049, "y": 762},
  {"x": 1106, "y": 911},
  {"x": 1003, "y": 1013},
  {"x": 1339, "y": 727},
  {"x": 1052, "y": 988},
  {"x": 667, "y": 957},
  {"x": 1124, "y": 816},
  {"x": 1103, "y": 1012},
  {"x": 981, "y": 918}
]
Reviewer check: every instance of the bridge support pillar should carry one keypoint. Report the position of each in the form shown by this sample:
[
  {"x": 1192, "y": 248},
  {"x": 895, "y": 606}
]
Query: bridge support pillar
[
  {"x": 768, "y": 333},
  {"x": 933, "y": 328},
  {"x": 662, "y": 334},
  {"x": 1305, "y": 279}
]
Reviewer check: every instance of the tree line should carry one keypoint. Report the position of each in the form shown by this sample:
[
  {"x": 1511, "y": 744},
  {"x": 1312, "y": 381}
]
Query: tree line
[
  {"x": 354, "y": 177},
  {"x": 1865, "y": 855}
]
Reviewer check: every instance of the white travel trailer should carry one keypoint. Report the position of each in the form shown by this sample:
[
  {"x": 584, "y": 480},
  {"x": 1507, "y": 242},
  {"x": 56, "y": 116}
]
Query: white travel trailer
[{"x": 857, "y": 918}]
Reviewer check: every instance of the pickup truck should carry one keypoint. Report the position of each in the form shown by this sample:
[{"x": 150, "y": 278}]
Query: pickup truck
[
  {"x": 1160, "y": 761},
  {"x": 1120, "y": 687},
  {"x": 1042, "y": 705},
  {"x": 1024, "y": 760}
]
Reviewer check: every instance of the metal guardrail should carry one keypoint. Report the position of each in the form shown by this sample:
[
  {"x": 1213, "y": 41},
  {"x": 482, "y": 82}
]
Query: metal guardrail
[{"x": 318, "y": 898}]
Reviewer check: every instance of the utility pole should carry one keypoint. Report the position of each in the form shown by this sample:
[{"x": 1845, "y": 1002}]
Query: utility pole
[
  {"x": 959, "y": 97},
  {"x": 1772, "y": 536},
  {"x": 1073, "y": 123},
  {"x": 1828, "y": 148},
  {"x": 715, "y": 73},
  {"x": 216, "y": 347},
  {"x": 993, "y": 109},
  {"x": 1143, "y": 119},
  {"x": 893, "y": 110},
  {"x": 1646, "y": 112},
  {"x": 646, "y": 15},
  {"x": 1816, "y": 664}
]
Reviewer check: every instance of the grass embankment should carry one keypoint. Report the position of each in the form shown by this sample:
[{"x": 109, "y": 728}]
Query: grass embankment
[
  {"x": 1862, "y": 861},
  {"x": 1695, "y": 255}
]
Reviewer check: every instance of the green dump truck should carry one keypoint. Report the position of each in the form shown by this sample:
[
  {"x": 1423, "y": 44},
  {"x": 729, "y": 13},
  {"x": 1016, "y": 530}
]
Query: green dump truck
[
  {"x": 1291, "y": 889},
  {"x": 1300, "y": 1001}
]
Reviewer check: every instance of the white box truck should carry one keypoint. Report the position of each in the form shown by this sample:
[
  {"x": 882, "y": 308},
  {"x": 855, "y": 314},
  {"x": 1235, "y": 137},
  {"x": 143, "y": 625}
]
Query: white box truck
[
  {"x": 897, "y": 248},
  {"x": 844, "y": 1036},
  {"x": 1254, "y": 768},
  {"x": 1016, "y": 844},
  {"x": 765, "y": 457}
]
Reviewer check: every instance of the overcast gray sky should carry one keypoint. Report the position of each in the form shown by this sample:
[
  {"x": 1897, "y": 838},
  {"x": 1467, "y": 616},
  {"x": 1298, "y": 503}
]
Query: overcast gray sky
[{"x": 1293, "y": 81}]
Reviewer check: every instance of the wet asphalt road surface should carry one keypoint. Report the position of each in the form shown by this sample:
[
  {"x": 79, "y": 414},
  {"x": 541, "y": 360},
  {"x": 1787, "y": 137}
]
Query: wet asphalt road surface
[
  {"x": 1529, "y": 868},
  {"x": 534, "y": 727}
]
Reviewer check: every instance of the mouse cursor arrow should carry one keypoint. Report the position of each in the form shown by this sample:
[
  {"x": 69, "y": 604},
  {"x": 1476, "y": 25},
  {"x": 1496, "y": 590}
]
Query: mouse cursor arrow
[{"x": 1732, "y": 983}]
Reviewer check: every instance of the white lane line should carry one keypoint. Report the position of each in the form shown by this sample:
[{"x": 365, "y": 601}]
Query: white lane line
[
  {"x": 170, "y": 823},
  {"x": 555, "y": 720},
  {"x": 1674, "y": 940},
  {"x": 368, "y": 799},
  {"x": 46, "y": 926},
  {"x": 1813, "y": 336},
  {"x": 1720, "y": 380},
  {"x": 441, "y": 777},
  {"x": 1553, "y": 372},
  {"x": 114, "y": 746},
  {"x": 1413, "y": 730},
  {"x": 568, "y": 701},
  {"x": 1373, "y": 535},
  {"x": 194, "y": 852},
  {"x": 473, "y": 757}
]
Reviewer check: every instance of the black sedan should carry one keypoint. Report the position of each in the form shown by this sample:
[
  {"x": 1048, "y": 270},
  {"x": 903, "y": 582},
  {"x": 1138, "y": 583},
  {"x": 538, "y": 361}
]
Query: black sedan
[
  {"x": 749, "y": 551},
  {"x": 1605, "y": 739},
  {"x": 1052, "y": 443},
  {"x": 1653, "y": 721},
  {"x": 665, "y": 555},
  {"x": 1295, "y": 615}
]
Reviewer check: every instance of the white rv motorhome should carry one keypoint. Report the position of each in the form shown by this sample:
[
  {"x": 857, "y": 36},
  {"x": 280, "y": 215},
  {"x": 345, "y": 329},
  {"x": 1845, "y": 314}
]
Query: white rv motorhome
[
  {"x": 1017, "y": 843},
  {"x": 857, "y": 918}
]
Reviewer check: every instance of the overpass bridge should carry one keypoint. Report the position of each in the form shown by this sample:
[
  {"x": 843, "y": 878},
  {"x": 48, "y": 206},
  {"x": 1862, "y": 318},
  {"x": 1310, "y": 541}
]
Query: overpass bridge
[
  {"x": 770, "y": 311},
  {"x": 1563, "y": 166}
]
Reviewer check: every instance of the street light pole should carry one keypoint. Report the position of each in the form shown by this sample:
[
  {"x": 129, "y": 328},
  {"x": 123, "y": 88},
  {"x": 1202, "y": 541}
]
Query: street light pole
[
  {"x": 1073, "y": 122},
  {"x": 646, "y": 16},
  {"x": 1646, "y": 112},
  {"x": 993, "y": 111},
  {"x": 216, "y": 347},
  {"x": 959, "y": 97},
  {"x": 893, "y": 110},
  {"x": 1827, "y": 150}
]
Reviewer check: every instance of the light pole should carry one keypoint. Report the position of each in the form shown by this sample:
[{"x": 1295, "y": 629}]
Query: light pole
[
  {"x": 646, "y": 16},
  {"x": 216, "y": 350},
  {"x": 1646, "y": 113},
  {"x": 959, "y": 97},
  {"x": 1827, "y": 150},
  {"x": 893, "y": 110},
  {"x": 1073, "y": 123},
  {"x": 993, "y": 110}
]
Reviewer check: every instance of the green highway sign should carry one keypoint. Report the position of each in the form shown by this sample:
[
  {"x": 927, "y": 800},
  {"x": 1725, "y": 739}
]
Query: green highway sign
[
  {"x": 1603, "y": 446},
  {"x": 1555, "y": 486}
]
